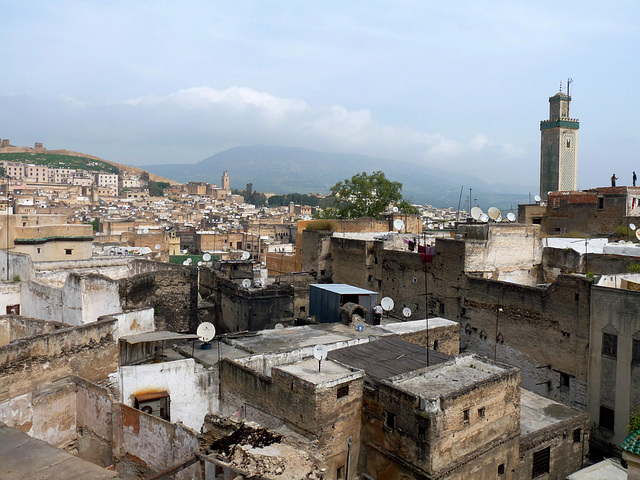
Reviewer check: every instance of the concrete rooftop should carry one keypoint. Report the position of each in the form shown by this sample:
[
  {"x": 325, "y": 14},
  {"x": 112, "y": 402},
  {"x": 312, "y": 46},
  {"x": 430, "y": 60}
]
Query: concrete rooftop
[
  {"x": 448, "y": 377},
  {"x": 23, "y": 457},
  {"x": 605, "y": 470},
  {"x": 330, "y": 372},
  {"x": 538, "y": 412}
]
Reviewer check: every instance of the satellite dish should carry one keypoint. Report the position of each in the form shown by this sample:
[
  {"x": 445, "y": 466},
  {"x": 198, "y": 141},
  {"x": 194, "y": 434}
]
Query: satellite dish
[
  {"x": 246, "y": 283},
  {"x": 638, "y": 234},
  {"x": 157, "y": 246},
  {"x": 476, "y": 212},
  {"x": 387, "y": 303},
  {"x": 139, "y": 232},
  {"x": 484, "y": 218},
  {"x": 245, "y": 255},
  {"x": 494, "y": 213},
  {"x": 320, "y": 352},
  {"x": 146, "y": 230},
  {"x": 206, "y": 257},
  {"x": 430, "y": 226},
  {"x": 406, "y": 311},
  {"x": 511, "y": 217},
  {"x": 185, "y": 263},
  {"x": 189, "y": 261},
  {"x": 632, "y": 226},
  {"x": 398, "y": 224},
  {"x": 395, "y": 209},
  {"x": 184, "y": 251},
  {"x": 199, "y": 264},
  {"x": 441, "y": 227},
  {"x": 206, "y": 331},
  {"x": 537, "y": 198},
  {"x": 279, "y": 326},
  {"x": 499, "y": 219}
]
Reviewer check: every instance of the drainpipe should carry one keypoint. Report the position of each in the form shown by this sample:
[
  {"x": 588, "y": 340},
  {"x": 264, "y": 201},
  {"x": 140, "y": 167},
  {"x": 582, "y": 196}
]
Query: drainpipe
[{"x": 349, "y": 442}]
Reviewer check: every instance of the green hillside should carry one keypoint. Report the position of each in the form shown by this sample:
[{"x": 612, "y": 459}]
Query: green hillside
[{"x": 60, "y": 161}]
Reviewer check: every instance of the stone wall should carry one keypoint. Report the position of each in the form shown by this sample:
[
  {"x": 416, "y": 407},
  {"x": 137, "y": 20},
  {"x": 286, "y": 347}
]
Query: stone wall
[
  {"x": 13, "y": 327},
  {"x": 88, "y": 351}
]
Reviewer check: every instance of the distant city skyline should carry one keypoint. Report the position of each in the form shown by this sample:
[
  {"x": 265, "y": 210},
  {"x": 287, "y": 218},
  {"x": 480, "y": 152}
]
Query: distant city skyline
[{"x": 460, "y": 87}]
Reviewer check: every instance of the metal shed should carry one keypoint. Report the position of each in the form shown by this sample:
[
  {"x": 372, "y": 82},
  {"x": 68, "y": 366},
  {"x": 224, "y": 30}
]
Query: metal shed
[{"x": 325, "y": 301}]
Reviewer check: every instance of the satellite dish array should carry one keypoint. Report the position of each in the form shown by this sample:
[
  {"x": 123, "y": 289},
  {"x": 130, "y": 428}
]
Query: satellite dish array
[{"x": 493, "y": 213}]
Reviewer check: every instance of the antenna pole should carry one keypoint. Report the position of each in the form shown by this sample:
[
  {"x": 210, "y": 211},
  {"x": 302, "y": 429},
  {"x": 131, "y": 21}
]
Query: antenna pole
[
  {"x": 426, "y": 292},
  {"x": 459, "y": 201}
]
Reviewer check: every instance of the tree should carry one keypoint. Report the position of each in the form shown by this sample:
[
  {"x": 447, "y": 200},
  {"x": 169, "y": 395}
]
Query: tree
[
  {"x": 3, "y": 171},
  {"x": 144, "y": 176},
  {"x": 363, "y": 195}
]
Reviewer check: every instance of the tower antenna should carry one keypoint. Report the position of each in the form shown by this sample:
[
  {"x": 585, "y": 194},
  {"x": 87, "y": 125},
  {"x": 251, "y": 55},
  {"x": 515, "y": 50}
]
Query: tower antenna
[
  {"x": 569, "y": 82},
  {"x": 561, "y": 85}
]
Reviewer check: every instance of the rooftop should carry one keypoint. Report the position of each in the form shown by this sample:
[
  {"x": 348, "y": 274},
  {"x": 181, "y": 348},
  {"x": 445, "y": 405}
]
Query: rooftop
[
  {"x": 605, "y": 470},
  {"x": 326, "y": 372},
  {"x": 342, "y": 289},
  {"x": 538, "y": 412}
]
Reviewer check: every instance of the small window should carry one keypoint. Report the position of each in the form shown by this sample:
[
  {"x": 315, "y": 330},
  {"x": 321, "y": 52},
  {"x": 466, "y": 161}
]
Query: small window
[
  {"x": 568, "y": 143},
  {"x": 390, "y": 420},
  {"x": 465, "y": 415},
  {"x": 340, "y": 473},
  {"x": 482, "y": 412},
  {"x": 600, "y": 203},
  {"x": 38, "y": 249},
  {"x": 565, "y": 380},
  {"x": 303, "y": 308},
  {"x": 435, "y": 345},
  {"x": 610, "y": 345},
  {"x": 441, "y": 309},
  {"x": 636, "y": 351},
  {"x": 577, "y": 297},
  {"x": 68, "y": 251},
  {"x": 343, "y": 391},
  {"x": 541, "y": 462},
  {"x": 607, "y": 418},
  {"x": 422, "y": 432},
  {"x": 501, "y": 469},
  {"x": 577, "y": 435}
]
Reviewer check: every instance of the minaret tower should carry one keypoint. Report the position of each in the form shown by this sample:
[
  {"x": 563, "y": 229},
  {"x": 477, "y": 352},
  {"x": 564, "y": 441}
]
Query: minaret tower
[
  {"x": 225, "y": 180},
  {"x": 559, "y": 146}
]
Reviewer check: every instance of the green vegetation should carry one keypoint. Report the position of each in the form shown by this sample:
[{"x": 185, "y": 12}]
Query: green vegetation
[
  {"x": 297, "y": 198},
  {"x": 322, "y": 224},
  {"x": 16, "y": 277},
  {"x": 156, "y": 188},
  {"x": 633, "y": 268},
  {"x": 363, "y": 195},
  {"x": 60, "y": 161},
  {"x": 250, "y": 196},
  {"x": 95, "y": 223},
  {"x": 634, "y": 420},
  {"x": 574, "y": 235}
]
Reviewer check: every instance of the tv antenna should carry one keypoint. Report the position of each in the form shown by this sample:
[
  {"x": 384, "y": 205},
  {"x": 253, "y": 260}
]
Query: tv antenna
[
  {"x": 246, "y": 283},
  {"x": 320, "y": 353},
  {"x": 406, "y": 311},
  {"x": 398, "y": 224},
  {"x": 206, "y": 257},
  {"x": 206, "y": 331}
]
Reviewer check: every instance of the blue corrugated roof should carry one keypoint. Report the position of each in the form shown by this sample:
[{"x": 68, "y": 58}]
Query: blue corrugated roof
[{"x": 342, "y": 288}]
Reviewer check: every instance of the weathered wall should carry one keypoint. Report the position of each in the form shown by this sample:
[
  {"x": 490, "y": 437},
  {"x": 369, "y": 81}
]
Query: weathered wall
[
  {"x": 447, "y": 338},
  {"x": 193, "y": 389},
  {"x": 172, "y": 293},
  {"x": 153, "y": 443},
  {"x": 20, "y": 266},
  {"x": 13, "y": 327},
  {"x": 316, "y": 255},
  {"x": 300, "y": 282},
  {"x": 87, "y": 297},
  {"x": 42, "y": 301},
  {"x": 94, "y": 423},
  {"x": 10, "y": 294},
  {"x": 88, "y": 351},
  {"x": 135, "y": 321}
]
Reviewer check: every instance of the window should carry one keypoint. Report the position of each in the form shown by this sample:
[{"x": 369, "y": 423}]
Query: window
[
  {"x": 607, "y": 418},
  {"x": 541, "y": 462},
  {"x": 38, "y": 249},
  {"x": 303, "y": 308},
  {"x": 390, "y": 420},
  {"x": 482, "y": 412},
  {"x": 465, "y": 415},
  {"x": 340, "y": 472},
  {"x": 565, "y": 379},
  {"x": 343, "y": 391},
  {"x": 636, "y": 351},
  {"x": 435, "y": 345},
  {"x": 441, "y": 309},
  {"x": 422, "y": 432},
  {"x": 600, "y": 203},
  {"x": 68, "y": 251},
  {"x": 610, "y": 345},
  {"x": 577, "y": 435},
  {"x": 568, "y": 143},
  {"x": 501, "y": 469}
]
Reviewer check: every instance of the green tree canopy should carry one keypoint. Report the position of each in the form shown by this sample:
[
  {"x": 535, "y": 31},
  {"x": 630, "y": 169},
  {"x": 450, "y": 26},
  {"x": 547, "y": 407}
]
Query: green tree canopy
[{"x": 363, "y": 195}]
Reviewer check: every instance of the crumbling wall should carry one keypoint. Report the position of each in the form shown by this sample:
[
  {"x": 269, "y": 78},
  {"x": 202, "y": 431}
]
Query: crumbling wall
[
  {"x": 13, "y": 327},
  {"x": 94, "y": 423},
  {"x": 89, "y": 351},
  {"x": 135, "y": 321},
  {"x": 173, "y": 294},
  {"x": 446, "y": 337},
  {"x": 153, "y": 444},
  {"x": 42, "y": 301}
]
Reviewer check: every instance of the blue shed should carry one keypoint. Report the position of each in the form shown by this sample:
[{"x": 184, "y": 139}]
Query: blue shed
[{"x": 325, "y": 301}]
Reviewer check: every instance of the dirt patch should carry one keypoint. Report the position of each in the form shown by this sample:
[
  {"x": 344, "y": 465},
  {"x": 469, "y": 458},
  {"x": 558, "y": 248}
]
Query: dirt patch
[{"x": 246, "y": 435}]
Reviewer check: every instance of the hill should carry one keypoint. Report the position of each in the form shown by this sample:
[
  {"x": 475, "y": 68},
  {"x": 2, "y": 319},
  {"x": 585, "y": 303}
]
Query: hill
[{"x": 285, "y": 170}]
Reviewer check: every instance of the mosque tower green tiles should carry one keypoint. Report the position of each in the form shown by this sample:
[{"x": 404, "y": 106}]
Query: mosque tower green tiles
[{"x": 559, "y": 147}]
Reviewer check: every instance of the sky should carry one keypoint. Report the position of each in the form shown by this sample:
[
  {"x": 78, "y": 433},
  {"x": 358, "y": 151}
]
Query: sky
[{"x": 460, "y": 86}]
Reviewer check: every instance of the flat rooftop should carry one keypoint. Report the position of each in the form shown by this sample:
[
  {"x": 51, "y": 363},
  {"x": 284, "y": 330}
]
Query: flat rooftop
[
  {"x": 23, "y": 457},
  {"x": 342, "y": 289},
  {"x": 538, "y": 412},
  {"x": 400, "y": 328},
  {"x": 605, "y": 470},
  {"x": 329, "y": 371},
  {"x": 449, "y": 377}
]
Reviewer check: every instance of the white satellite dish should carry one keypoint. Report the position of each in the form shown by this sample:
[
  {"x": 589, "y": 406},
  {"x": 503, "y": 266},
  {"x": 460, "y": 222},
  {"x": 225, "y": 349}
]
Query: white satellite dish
[
  {"x": 184, "y": 251},
  {"x": 499, "y": 219},
  {"x": 638, "y": 234},
  {"x": 441, "y": 226},
  {"x": 476, "y": 212},
  {"x": 145, "y": 231},
  {"x": 398, "y": 224},
  {"x": 406, "y": 311},
  {"x": 157, "y": 246},
  {"x": 139, "y": 232},
  {"x": 395, "y": 209},
  {"x": 206, "y": 257},
  {"x": 430, "y": 226},
  {"x": 537, "y": 198},
  {"x": 494, "y": 213},
  {"x": 387, "y": 303},
  {"x": 632, "y": 226},
  {"x": 245, "y": 255},
  {"x": 484, "y": 218},
  {"x": 511, "y": 217},
  {"x": 185, "y": 263},
  {"x": 189, "y": 260},
  {"x": 246, "y": 283},
  {"x": 206, "y": 331},
  {"x": 278, "y": 326},
  {"x": 320, "y": 352},
  {"x": 199, "y": 264}
]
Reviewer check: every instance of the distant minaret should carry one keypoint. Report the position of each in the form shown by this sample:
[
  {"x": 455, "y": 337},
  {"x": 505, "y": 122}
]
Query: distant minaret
[
  {"x": 225, "y": 180},
  {"x": 559, "y": 147}
]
